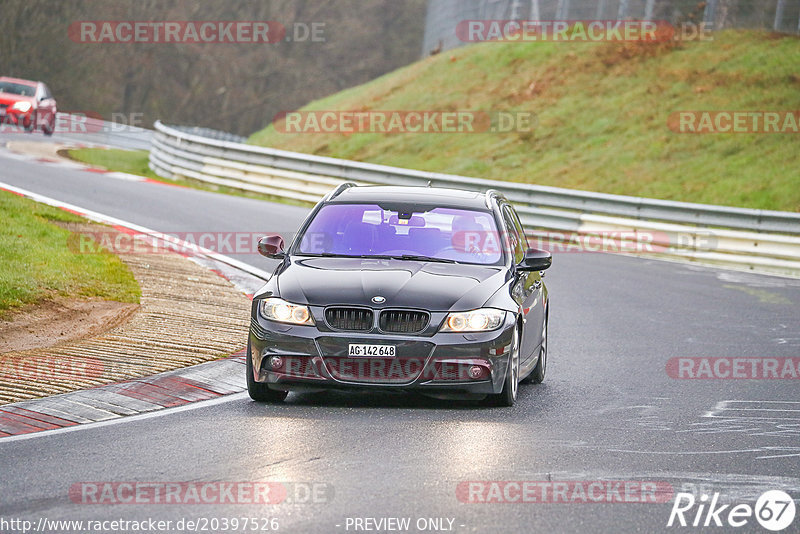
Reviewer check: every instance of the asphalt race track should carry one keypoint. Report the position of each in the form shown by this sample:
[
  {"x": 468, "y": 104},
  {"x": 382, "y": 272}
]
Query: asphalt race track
[{"x": 608, "y": 409}]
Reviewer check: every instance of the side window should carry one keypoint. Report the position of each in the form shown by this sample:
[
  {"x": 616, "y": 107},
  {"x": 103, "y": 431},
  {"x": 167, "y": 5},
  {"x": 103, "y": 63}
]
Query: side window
[
  {"x": 514, "y": 235},
  {"x": 46, "y": 92}
]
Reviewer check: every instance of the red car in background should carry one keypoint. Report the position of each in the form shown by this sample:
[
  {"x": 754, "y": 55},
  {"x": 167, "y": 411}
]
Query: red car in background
[{"x": 27, "y": 104}]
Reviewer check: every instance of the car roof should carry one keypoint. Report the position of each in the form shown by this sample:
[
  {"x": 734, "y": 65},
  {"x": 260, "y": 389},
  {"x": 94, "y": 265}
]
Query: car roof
[
  {"x": 18, "y": 80},
  {"x": 453, "y": 198}
]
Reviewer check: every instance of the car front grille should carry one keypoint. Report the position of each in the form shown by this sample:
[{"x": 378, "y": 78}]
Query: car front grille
[
  {"x": 404, "y": 321},
  {"x": 349, "y": 319}
]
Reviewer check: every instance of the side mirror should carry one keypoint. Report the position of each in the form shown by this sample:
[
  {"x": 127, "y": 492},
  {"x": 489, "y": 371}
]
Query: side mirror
[
  {"x": 535, "y": 260},
  {"x": 271, "y": 246}
]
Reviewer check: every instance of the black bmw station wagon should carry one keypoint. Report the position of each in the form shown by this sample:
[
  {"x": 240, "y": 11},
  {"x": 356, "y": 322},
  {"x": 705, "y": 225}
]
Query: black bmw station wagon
[{"x": 411, "y": 288}]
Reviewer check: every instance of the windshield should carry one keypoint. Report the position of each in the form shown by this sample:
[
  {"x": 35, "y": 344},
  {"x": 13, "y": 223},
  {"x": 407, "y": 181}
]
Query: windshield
[
  {"x": 17, "y": 89},
  {"x": 367, "y": 230}
]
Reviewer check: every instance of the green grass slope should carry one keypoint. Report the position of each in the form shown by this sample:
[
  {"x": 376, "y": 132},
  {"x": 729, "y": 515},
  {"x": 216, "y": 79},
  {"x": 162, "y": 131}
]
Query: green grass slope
[
  {"x": 36, "y": 262},
  {"x": 602, "y": 117}
]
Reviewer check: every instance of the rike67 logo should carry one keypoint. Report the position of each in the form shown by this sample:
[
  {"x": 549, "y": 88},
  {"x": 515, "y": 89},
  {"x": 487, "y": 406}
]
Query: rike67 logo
[{"x": 774, "y": 510}]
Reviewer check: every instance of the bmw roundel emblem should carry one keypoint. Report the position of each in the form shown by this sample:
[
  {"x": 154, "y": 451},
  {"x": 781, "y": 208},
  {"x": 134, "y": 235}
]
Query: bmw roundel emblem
[{"x": 377, "y": 299}]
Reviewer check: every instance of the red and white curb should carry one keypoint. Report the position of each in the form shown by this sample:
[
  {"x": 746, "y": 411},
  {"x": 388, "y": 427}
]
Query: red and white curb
[
  {"x": 172, "y": 389},
  {"x": 64, "y": 163}
]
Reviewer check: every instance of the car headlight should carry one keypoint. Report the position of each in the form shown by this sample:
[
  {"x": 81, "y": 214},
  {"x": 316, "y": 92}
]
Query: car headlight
[
  {"x": 279, "y": 310},
  {"x": 481, "y": 320},
  {"x": 22, "y": 106}
]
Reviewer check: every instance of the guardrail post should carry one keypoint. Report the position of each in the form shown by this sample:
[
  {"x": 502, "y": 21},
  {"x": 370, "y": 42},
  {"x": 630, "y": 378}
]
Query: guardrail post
[
  {"x": 710, "y": 15},
  {"x": 562, "y": 11},
  {"x": 601, "y": 9},
  {"x": 534, "y": 15},
  {"x": 779, "y": 9},
  {"x": 648, "y": 9},
  {"x": 623, "y": 10}
]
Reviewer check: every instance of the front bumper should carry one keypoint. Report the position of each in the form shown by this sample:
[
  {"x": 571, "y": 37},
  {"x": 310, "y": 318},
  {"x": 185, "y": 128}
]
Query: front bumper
[
  {"x": 442, "y": 364},
  {"x": 17, "y": 118}
]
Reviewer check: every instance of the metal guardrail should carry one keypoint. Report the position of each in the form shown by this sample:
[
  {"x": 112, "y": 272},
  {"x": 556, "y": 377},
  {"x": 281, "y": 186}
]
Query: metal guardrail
[
  {"x": 211, "y": 133},
  {"x": 768, "y": 240}
]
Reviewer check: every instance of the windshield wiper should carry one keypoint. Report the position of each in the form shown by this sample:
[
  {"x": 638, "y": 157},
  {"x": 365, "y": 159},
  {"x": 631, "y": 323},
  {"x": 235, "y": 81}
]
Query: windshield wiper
[
  {"x": 334, "y": 255},
  {"x": 408, "y": 257},
  {"x": 415, "y": 257},
  {"x": 319, "y": 255}
]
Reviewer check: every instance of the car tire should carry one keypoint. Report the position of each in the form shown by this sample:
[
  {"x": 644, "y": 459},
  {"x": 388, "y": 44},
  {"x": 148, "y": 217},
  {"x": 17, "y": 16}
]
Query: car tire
[
  {"x": 32, "y": 125},
  {"x": 47, "y": 129},
  {"x": 537, "y": 375},
  {"x": 508, "y": 396},
  {"x": 258, "y": 391}
]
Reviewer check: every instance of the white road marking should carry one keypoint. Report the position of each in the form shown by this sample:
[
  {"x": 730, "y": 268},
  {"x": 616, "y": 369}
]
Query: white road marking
[{"x": 125, "y": 176}]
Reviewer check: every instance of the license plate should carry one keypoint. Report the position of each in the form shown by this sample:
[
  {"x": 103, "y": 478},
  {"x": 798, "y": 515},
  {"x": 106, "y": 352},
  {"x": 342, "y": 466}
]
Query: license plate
[{"x": 379, "y": 351}]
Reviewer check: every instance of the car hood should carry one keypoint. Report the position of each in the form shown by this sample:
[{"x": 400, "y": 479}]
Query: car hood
[
  {"x": 10, "y": 99},
  {"x": 413, "y": 284}
]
